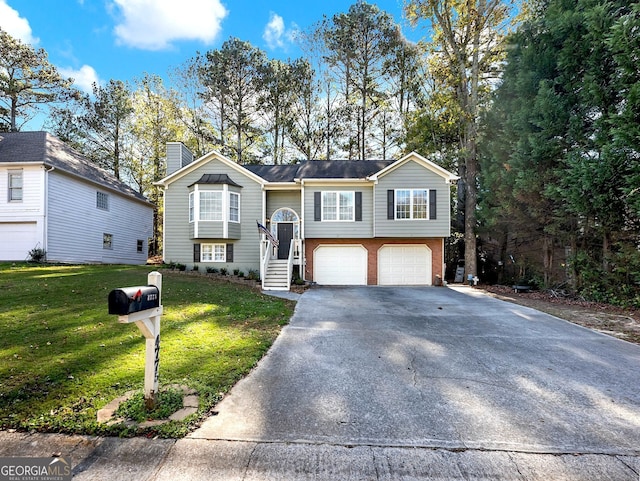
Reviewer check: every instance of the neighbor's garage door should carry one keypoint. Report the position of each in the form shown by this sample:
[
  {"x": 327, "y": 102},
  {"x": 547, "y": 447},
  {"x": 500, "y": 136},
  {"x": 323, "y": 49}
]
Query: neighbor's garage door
[
  {"x": 16, "y": 240},
  {"x": 404, "y": 265},
  {"x": 340, "y": 265}
]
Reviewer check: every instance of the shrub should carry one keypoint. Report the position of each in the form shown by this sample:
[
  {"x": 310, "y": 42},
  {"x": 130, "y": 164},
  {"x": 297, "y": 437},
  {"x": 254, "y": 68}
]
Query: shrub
[
  {"x": 37, "y": 254},
  {"x": 253, "y": 275},
  {"x": 224, "y": 271},
  {"x": 236, "y": 272}
]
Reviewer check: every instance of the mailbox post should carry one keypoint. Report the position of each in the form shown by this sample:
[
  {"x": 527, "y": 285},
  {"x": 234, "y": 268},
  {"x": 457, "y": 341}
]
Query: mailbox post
[{"x": 142, "y": 305}]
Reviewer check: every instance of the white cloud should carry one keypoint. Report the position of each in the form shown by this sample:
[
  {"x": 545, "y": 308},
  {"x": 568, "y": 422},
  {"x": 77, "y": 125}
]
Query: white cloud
[
  {"x": 16, "y": 26},
  {"x": 155, "y": 24},
  {"x": 83, "y": 78},
  {"x": 275, "y": 33}
]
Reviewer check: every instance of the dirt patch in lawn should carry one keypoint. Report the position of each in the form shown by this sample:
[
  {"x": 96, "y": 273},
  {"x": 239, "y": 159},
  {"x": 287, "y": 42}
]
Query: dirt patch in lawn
[{"x": 615, "y": 321}]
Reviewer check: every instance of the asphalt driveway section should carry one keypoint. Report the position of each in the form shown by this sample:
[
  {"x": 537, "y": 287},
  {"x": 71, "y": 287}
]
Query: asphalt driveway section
[{"x": 451, "y": 368}]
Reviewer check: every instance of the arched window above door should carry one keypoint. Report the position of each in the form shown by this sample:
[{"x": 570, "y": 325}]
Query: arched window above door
[{"x": 285, "y": 215}]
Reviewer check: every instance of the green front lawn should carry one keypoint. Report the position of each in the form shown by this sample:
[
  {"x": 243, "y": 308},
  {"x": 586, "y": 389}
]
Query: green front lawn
[{"x": 63, "y": 357}]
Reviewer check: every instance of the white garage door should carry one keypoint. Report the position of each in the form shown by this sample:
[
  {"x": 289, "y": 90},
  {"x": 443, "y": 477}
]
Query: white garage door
[
  {"x": 340, "y": 265},
  {"x": 404, "y": 265},
  {"x": 16, "y": 240}
]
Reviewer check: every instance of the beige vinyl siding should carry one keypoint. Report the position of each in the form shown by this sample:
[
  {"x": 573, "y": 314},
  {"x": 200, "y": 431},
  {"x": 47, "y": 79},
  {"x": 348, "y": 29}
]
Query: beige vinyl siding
[
  {"x": 411, "y": 175},
  {"x": 339, "y": 229},
  {"x": 76, "y": 226},
  {"x": 283, "y": 198},
  {"x": 235, "y": 229},
  {"x": 210, "y": 230},
  {"x": 178, "y": 244},
  {"x": 178, "y": 155}
]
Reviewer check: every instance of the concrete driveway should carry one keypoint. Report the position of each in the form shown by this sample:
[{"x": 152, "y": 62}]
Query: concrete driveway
[{"x": 436, "y": 368}]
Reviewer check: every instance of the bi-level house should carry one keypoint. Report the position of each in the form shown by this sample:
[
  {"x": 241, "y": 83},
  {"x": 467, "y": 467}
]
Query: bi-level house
[
  {"x": 338, "y": 222},
  {"x": 53, "y": 198}
]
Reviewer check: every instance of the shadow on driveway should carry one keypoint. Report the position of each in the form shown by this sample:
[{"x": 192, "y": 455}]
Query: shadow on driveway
[{"x": 436, "y": 367}]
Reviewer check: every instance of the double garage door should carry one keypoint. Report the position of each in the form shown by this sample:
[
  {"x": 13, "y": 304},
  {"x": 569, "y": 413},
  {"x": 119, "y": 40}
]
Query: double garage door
[{"x": 397, "y": 264}]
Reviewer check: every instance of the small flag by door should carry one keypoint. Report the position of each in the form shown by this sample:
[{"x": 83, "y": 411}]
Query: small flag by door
[{"x": 263, "y": 230}]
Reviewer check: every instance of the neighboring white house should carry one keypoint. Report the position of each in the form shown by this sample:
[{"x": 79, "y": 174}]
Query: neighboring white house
[
  {"x": 340, "y": 222},
  {"x": 53, "y": 198}
]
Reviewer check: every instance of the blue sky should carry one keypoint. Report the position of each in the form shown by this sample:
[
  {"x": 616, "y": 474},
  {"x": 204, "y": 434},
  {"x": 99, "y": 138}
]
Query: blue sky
[{"x": 99, "y": 40}]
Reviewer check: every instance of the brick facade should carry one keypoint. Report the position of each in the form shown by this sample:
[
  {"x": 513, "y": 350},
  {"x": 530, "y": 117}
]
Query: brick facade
[{"x": 372, "y": 246}]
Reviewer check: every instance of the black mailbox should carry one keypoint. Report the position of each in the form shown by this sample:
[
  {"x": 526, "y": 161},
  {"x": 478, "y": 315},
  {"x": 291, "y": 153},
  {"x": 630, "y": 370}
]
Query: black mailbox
[{"x": 128, "y": 300}]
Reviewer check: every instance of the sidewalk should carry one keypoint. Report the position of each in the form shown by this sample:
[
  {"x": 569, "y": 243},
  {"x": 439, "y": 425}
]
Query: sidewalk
[
  {"x": 114, "y": 459},
  {"x": 400, "y": 384}
]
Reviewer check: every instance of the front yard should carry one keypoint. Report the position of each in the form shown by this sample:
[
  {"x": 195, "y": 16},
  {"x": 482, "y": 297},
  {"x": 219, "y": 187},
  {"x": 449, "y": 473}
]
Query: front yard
[{"x": 62, "y": 357}]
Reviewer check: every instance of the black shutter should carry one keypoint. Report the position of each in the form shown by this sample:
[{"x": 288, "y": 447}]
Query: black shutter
[
  {"x": 317, "y": 206},
  {"x": 391, "y": 214},
  {"x": 196, "y": 252},
  {"x": 358, "y": 206},
  {"x": 432, "y": 204},
  {"x": 229, "y": 252}
]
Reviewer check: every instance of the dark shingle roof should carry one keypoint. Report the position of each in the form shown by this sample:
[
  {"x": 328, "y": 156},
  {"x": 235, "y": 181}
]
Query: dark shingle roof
[
  {"x": 42, "y": 147},
  {"x": 320, "y": 169},
  {"x": 215, "y": 179}
]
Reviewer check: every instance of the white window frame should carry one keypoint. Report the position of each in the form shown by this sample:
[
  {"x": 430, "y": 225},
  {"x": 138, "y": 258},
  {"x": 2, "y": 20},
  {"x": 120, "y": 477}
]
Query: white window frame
[
  {"x": 339, "y": 208},
  {"x": 412, "y": 204},
  {"x": 213, "y": 253},
  {"x": 15, "y": 192},
  {"x": 217, "y": 215},
  {"x": 102, "y": 200},
  {"x": 192, "y": 206},
  {"x": 234, "y": 209}
]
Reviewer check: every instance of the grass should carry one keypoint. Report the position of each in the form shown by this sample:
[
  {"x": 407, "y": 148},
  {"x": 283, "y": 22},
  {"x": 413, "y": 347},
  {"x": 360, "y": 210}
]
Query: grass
[{"x": 62, "y": 357}]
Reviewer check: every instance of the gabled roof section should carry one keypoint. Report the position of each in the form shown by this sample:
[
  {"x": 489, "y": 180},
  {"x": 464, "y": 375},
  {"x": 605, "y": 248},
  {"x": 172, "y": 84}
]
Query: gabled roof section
[
  {"x": 213, "y": 155},
  {"x": 413, "y": 156},
  {"x": 319, "y": 169},
  {"x": 44, "y": 148},
  {"x": 215, "y": 179}
]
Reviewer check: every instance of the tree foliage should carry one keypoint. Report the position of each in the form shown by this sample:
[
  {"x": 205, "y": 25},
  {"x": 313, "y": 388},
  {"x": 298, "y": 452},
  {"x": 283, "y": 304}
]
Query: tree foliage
[
  {"x": 231, "y": 77},
  {"x": 466, "y": 48},
  {"x": 561, "y": 153},
  {"x": 27, "y": 80}
]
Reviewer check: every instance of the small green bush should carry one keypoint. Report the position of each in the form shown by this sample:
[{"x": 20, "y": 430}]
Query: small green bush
[
  {"x": 253, "y": 275},
  {"x": 169, "y": 402},
  {"x": 37, "y": 255}
]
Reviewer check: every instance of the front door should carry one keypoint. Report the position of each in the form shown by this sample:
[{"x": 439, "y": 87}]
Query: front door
[{"x": 285, "y": 234}]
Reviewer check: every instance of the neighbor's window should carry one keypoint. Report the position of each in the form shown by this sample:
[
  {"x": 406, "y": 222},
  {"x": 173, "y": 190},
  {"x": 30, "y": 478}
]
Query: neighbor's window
[
  {"x": 210, "y": 205},
  {"x": 234, "y": 207},
  {"x": 15, "y": 186},
  {"x": 102, "y": 200},
  {"x": 213, "y": 253},
  {"x": 107, "y": 241},
  {"x": 338, "y": 206},
  {"x": 140, "y": 245},
  {"x": 412, "y": 203}
]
